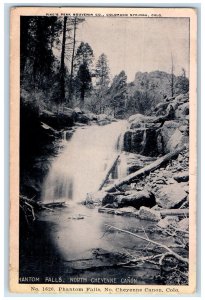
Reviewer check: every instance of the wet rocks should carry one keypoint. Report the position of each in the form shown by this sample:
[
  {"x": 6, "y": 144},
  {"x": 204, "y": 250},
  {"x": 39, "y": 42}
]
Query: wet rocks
[
  {"x": 131, "y": 199},
  {"x": 146, "y": 213},
  {"x": 141, "y": 137},
  {"x": 171, "y": 196},
  {"x": 127, "y": 211},
  {"x": 108, "y": 198},
  {"x": 142, "y": 141}
]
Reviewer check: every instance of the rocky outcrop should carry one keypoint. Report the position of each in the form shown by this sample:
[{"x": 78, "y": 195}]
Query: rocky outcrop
[
  {"x": 59, "y": 120},
  {"x": 161, "y": 133},
  {"x": 142, "y": 141}
]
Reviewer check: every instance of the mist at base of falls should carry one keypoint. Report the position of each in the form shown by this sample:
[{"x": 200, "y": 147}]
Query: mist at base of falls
[{"x": 84, "y": 162}]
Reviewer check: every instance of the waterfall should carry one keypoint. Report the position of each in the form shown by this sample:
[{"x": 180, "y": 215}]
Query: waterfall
[
  {"x": 144, "y": 138},
  {"x": 82, "y": 165}
]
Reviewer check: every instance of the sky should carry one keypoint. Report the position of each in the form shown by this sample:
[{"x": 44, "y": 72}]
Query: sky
[{"x": 138, "y": 44}]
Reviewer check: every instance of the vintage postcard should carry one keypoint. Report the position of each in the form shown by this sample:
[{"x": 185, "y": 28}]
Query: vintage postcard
[{"x": 103, "y": 150}]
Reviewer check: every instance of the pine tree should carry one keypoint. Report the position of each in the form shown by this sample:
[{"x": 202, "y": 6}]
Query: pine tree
[
  {"x": 83, "y": 64},
  {"x": 83, "y": 81},
  {"x": 102, "y": 81},
  {"x": 118, "y": 94}
]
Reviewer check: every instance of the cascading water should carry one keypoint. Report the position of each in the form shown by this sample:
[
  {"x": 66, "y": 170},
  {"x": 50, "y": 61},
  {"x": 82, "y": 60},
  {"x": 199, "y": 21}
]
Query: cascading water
[
  {"x": 75, "y": 231},
  {"x": 144, "y": 139},
  {"x": 82, "y": 165}
]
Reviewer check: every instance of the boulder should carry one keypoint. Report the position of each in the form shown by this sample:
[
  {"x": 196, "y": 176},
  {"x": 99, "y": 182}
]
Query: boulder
[
  {"x": 141, "y": 121},
  {"x": 137, "y": 199},
  {"x": 182, "y": 177},
  {"x": 167, "y": 221},
  {"x": 58, "y": 120},
  {"x": 104, "y": 122},
  {"x": 165, "y": 134},
  {"x": 136, "y": 161},
  {"x": 171, "y": 196},
  {"x": 103, "y": 119},
  {"x": 183, "y": 110},
  {"x": 184, "y": 129},
  {"x": 91, "y": 116},
  {"x": 107, "y": 198},
  {"x": 160, "y": 108},
  {"x": 81, "y": 118},
  {"x": 176, "y": 140},
  {"x": 142, "y": 141},
  {"x": 128, "y": 211},
  {"x": 183, "y": 224},
  {"x": 146, "y": 213}
]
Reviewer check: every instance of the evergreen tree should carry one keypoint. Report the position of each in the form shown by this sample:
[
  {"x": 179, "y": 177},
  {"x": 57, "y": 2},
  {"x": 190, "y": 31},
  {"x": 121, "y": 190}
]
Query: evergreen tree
[
  {"x": 84, "y": 54},
  {"x": 102, "y": 71},
  {"x": 37, "y": 37},
  {"x": 182, "y": 83},
  {"x": 83, "y": 81},
  {"x": 102, "y": 81},
  {"x": 118, "y": 94},
  {"x": 83, "y": 63}
]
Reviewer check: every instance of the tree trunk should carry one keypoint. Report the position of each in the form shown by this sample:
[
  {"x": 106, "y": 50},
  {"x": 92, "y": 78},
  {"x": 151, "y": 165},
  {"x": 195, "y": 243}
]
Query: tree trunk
[
  {"x": 144, "y": 171},
  {"x": 174, "y": 212},
  {"x": 82, "y": 96},
  {"x": 62, "y": 67},
  {"x": 109, "y": 172},
  {"x": 172, "y": 77},
  {"x": 72, "y": 62}
]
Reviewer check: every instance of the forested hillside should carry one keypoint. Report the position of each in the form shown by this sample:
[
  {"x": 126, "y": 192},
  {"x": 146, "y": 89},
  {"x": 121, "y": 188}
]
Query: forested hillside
[{"x": 58, "y": 71}]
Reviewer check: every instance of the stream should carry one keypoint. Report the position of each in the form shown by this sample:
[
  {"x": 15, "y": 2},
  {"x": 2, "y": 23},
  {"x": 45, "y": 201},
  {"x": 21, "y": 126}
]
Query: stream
[{"x": 70, "y": 244}]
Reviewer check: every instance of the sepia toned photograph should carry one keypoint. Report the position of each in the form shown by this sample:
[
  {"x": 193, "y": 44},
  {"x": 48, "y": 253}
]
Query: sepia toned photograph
[{"x": 103, "y": 150}]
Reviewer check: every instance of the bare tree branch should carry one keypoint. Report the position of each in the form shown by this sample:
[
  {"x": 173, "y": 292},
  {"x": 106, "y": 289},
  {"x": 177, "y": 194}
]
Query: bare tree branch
[{"x": 171, "y": 252}]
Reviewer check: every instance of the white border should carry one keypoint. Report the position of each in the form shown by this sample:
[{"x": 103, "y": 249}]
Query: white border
[{"x": 202, "y": 109}]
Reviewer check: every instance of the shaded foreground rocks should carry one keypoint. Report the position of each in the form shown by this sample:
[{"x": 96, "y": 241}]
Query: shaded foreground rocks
[
  {"x": 155, "y": 189},
  {"x": 171, "y": 196}
]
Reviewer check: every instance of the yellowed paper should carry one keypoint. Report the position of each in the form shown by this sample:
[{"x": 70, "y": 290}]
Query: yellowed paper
[{"x": 57, "y": 244}]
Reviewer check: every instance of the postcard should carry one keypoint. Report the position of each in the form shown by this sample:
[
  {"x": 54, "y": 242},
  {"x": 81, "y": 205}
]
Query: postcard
[{"x": 103, "y": 150}]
